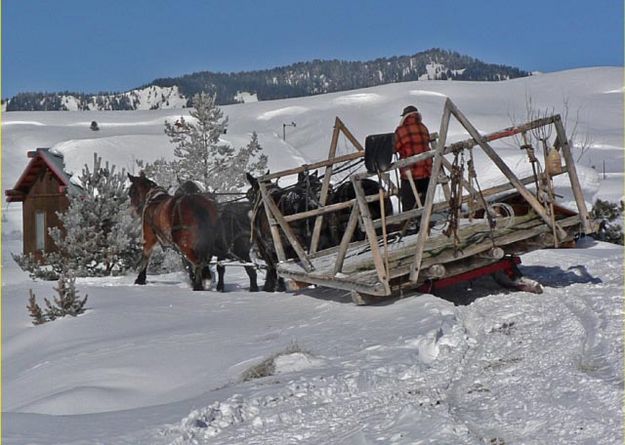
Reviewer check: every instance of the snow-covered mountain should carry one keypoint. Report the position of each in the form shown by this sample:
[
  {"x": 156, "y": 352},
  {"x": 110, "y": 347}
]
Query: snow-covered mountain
[
  {"x": 160, "y": 364},
  {"x": 147, "y": 98},
  {"x": 296, "y": 80}
]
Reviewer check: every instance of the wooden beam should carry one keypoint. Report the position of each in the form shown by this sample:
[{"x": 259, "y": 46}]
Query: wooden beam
[
  {"x": 352, "y": 223},
  {"x": 313, "y": 166},
  {"x": 328, "y": 209},
  {"x": 371, "y": 234},
  {"x": 415, "y": 267},
  {"x": 570, "y": 166},
  {"x": 325, "y": 187},
  {"x": 348, "y": 134},
  {"x": 273, "y": 224}
]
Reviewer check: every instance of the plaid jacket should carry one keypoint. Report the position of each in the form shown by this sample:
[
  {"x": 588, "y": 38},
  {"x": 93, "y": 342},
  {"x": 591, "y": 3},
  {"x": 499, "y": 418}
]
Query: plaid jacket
[{"x": 412, "y": 137}]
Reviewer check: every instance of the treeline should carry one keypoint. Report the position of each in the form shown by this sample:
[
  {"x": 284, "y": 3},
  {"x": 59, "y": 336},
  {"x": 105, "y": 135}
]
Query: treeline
[
  {"x": 327, "y": 76},
  {"x": 299, "y": 79},
  {"x": 35, "y": 101}
]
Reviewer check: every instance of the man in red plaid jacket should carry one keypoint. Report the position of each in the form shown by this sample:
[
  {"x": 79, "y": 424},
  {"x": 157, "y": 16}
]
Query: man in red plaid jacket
[{"x": 411, "y": 138}]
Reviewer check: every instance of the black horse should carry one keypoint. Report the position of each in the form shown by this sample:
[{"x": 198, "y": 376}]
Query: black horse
[
  {"x": 234, "y": 240},
  {"x": 232, "y": 234}
]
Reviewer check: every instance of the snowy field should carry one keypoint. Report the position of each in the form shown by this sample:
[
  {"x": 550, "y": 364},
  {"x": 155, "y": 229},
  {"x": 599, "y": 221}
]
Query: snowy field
[{"x": 160, "y": 364}]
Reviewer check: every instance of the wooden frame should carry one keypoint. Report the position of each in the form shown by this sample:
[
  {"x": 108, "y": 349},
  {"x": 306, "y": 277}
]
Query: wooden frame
[{"x": 378, "y": 270}]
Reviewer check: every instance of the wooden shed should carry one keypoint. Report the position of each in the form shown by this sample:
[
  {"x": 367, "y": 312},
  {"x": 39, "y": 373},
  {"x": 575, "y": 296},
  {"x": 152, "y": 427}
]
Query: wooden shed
[{"x": 42, "y": 190}]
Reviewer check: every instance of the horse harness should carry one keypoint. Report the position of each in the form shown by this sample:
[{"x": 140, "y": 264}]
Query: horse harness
[{"x": 154, "y": 196}]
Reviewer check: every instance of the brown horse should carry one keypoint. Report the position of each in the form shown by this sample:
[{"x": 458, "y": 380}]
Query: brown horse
[{"x": 186, "y": 222}]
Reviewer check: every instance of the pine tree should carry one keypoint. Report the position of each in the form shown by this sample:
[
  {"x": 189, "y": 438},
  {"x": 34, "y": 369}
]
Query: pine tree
[
  {"x": 35, "y": 310},
  {"x": 67, "y": 302},
  {"x": 99, "y": 235},
  {"x": 248, "y": 159},
  {"x": 200, "y": 154},
  {"x": 201, "y": 157},
  {"x": 164, "y": 173}
]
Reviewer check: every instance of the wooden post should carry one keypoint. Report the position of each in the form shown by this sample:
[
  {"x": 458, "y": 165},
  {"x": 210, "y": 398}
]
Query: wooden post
[
  {"x": 570, "y": 166},
  {"x": 371, "y": 235},
  {"x": 429, "y": 198},
  {"x": 325, "y": 187},
  {"x": 531, "y": 199},
  {"x": 273, "y": 225},
  {"x": 352, "y": 223},
  {"x": 277, "y": 215},
  {"x": 413, "y": 187}
]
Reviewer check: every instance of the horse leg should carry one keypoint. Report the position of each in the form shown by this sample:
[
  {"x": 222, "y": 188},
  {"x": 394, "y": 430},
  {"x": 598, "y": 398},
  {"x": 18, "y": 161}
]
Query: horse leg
[
  {"x": 149, "y": 240},
  {"x": 221, "y": 270},
  {"x": 281, "y": 287},
  {"x": 270, "y": 279},
  {"x": 251, "y": 273},
  {"x": 196, "y": 276}
]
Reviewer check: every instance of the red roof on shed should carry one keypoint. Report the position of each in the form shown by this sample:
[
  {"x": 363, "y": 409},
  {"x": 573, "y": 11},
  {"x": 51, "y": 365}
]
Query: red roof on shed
[{"x": 41, "y": 159}]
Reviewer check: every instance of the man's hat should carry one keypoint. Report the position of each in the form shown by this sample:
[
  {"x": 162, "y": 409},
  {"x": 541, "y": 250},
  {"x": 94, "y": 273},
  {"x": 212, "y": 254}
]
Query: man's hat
[{"x": 409, "y": 109}]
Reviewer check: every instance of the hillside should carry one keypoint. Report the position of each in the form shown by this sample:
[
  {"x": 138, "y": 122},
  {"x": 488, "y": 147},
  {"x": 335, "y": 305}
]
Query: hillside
[{"x": 297, "y": 80}]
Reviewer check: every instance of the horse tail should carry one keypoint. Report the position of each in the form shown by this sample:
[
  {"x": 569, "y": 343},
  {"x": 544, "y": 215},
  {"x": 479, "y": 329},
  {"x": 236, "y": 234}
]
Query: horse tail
[{"x": 196, "y": 218}]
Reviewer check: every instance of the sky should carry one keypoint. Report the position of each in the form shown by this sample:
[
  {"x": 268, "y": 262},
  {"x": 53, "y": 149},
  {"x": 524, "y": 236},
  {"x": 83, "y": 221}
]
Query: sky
[{"x": 117, "y": 45}]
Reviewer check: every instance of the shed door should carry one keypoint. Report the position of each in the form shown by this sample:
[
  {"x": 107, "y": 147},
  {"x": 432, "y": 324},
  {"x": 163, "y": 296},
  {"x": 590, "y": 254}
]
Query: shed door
[{"x": 40, "y": 231}]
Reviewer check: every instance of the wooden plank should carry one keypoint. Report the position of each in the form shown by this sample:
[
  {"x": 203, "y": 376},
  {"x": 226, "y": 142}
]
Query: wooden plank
[
  {"x": 503, "y": 167},
  {"x": 348, "y": 134},
  {"x": 328, "y": 209},
  {"x": 429, "y": 198},
  {"x": 508, "y": 132},
  {"x": 573, "y": 177},
  {"x": 275, "y": 211},
  {"x": 370, "y": 231},
  {"x": 325, "y": 187},
  {"x": 352, "y": 223},
  {"x": 313, "y": 166},
  {"x": 273, "y": 225}
]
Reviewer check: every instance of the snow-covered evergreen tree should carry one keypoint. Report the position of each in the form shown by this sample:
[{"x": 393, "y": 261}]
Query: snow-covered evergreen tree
[
  {"x": 164, "y": 173},
  {"x": 99, "y": 235},
  {"x": 247, "y": 159},
  {"x": 202, "y": 157},
  {"x": 200, "y": 154}
]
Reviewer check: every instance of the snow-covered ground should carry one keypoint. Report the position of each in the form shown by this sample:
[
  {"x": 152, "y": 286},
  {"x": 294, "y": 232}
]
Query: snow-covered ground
[{"x": 160, "y": 364}]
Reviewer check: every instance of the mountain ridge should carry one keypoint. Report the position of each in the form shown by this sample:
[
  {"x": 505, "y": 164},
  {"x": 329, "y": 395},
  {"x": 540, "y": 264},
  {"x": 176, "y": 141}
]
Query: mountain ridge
[{"x": 295, "y": 80}]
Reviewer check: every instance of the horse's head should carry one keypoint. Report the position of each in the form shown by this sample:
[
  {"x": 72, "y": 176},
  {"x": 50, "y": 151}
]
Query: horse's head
[
  {"x": 309, "y": 183},
  {"x": 188, "y": 188},
  {"x": 253, "y": 192},
  {"x": 139, "y": 188}
]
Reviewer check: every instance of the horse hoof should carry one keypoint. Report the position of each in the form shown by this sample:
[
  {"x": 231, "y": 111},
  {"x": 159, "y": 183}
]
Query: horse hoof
[
  {"x": 140, "y": 282},
  {"x": 254, "y": 289}
]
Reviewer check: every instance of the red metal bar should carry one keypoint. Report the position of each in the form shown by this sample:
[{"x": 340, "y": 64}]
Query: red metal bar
[{"x": 506, "y": 264}]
